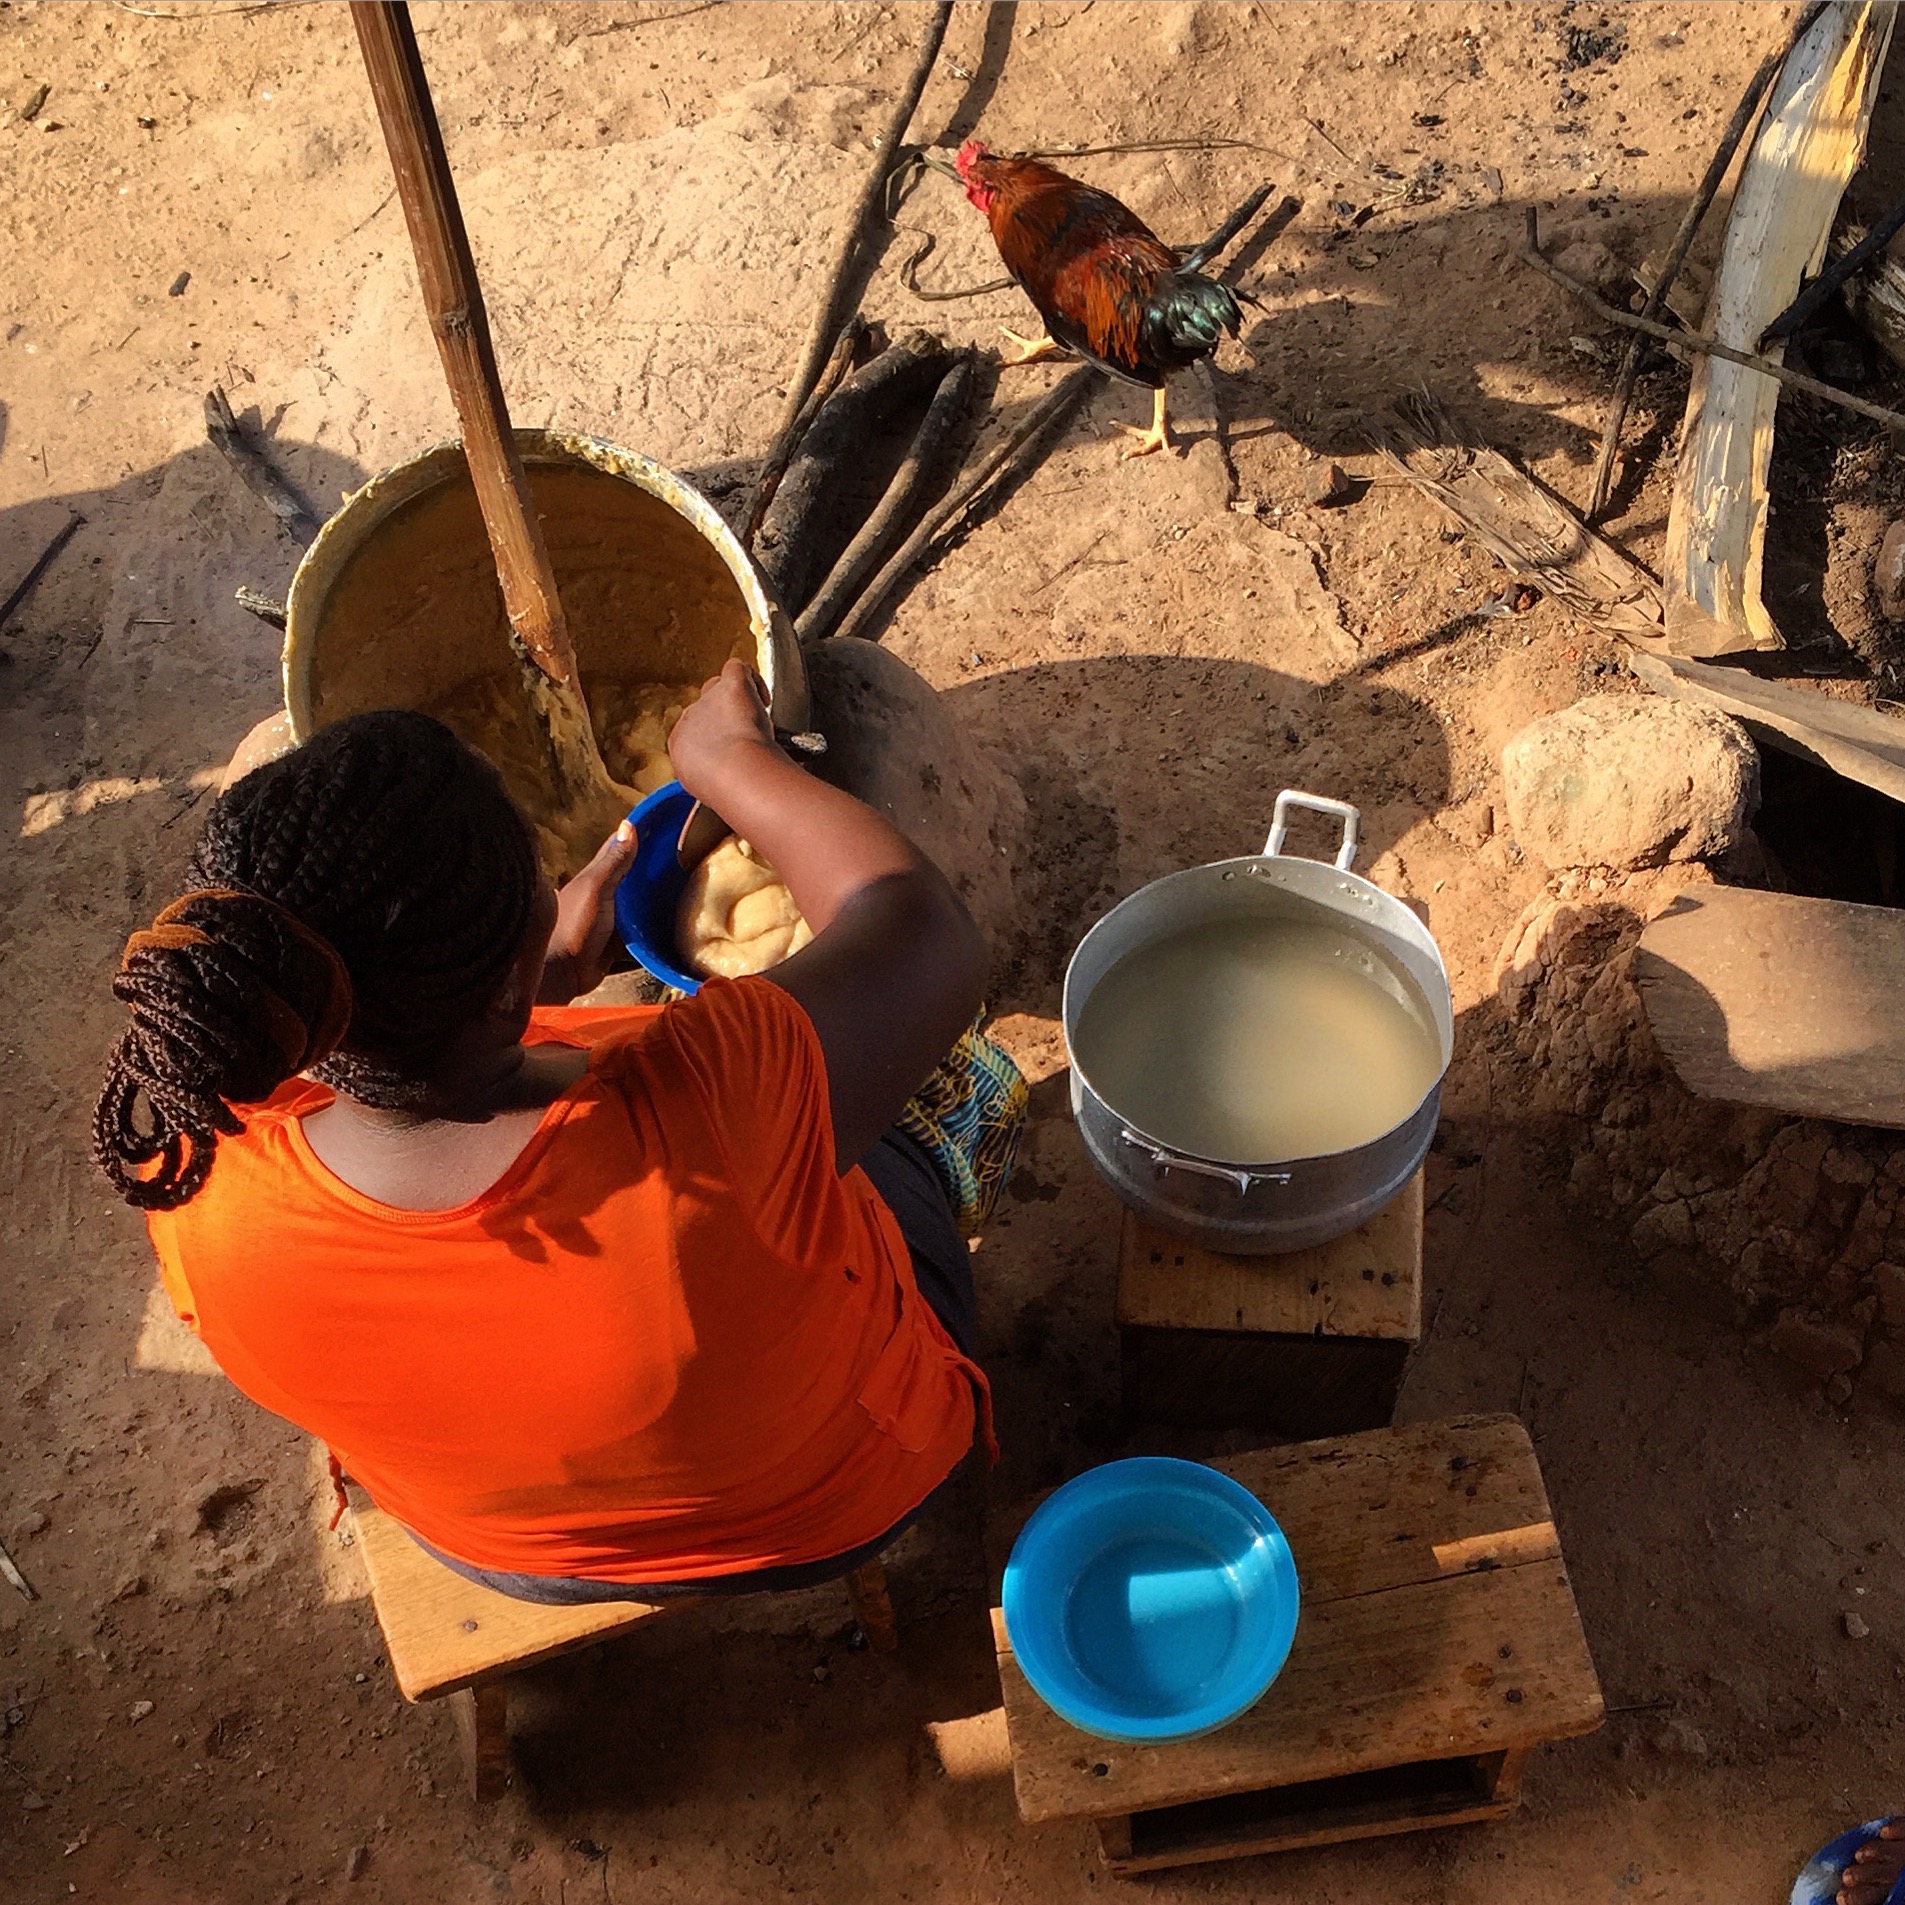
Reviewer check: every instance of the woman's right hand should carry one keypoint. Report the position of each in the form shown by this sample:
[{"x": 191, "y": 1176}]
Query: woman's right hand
[{"x": 720, "y": 728}]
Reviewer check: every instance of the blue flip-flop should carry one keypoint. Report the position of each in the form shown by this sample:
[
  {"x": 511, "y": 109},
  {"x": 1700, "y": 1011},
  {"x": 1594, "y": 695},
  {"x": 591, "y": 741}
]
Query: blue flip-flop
[{"x": 1818, "y": 1884}]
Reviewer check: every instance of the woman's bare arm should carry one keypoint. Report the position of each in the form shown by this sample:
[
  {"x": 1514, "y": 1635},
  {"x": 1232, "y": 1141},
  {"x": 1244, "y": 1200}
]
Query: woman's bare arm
[{"x": 896, "y": 967}]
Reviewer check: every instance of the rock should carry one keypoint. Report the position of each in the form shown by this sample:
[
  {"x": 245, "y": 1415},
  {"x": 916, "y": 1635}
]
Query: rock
[
  {"x": 1629, "y": 781},
  {"x": 1823, "y": 1350},
  {"x": 1855, "y": 1629},
  {"x": 355, "y": 1860},
  {"x": 1665, "y": 1227},
  {"x": 1839, "y": 1390},
  {"x": 1327, "y": 484},
  {"x": 1888, "y": 573},
  {"x": 34, "y": 1522},
  {"x": 1680, "y": 1739},
  {"x": 141, "y": 1709},
  {"x": 1593, "y": 264}
]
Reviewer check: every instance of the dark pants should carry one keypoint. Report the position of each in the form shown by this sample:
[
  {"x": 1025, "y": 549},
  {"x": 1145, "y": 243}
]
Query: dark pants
[{"x": 911, "y": 1189}]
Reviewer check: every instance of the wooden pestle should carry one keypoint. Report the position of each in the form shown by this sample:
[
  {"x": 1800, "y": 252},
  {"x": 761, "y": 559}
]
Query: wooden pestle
[{"x": 460, "y": 324}]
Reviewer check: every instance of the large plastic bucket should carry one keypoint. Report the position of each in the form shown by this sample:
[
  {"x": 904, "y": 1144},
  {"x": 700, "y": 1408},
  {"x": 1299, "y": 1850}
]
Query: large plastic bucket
[{"x": 396, "y": 603}]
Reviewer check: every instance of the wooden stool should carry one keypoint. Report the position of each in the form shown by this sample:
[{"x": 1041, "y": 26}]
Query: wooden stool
[
  {"x": 1312, "y": 1343},
  {"x": 1438, "y": 1644},
  {"x": 448, "y": 1637}
]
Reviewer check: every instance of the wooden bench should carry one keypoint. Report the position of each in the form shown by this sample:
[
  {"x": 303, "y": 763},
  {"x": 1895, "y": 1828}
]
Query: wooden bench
[
  {"x": 449, "y": 1638},
  {"x": 1311, "y": 1343},
  {"x": 1438, "y": 1644}
]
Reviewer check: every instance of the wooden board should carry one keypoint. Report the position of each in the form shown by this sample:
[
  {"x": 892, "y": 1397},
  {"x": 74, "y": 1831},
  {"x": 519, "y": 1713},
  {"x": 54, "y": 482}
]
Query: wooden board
[
  {"x": 1855, "y": 741},
  {"x": 1460, "y": 1792},
  {"x": 1804, "y": 154},
  {"x": 1368, "y": 1283},
  {"x": 1290, "y": 1388},
  {"x": 443, "y": 1632},
  {"x": 1771, "y": 999},
  {"x": 1437, "y": 1622}
]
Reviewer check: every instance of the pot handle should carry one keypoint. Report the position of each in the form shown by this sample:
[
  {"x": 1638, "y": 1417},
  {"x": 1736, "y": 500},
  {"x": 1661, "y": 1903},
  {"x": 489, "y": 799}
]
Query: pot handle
[
  {"x": 1351, "y": 818},
  {"x": 1173, "y": 1161}
]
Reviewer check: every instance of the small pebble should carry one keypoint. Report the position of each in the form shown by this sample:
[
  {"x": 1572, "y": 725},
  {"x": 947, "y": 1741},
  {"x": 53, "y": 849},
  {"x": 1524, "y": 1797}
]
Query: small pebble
[
  {"x": 177, "y": 287},
  {"x": 140, "y": 1708},
  {"x": 1326, "y": 484},
  {"x": 35, "y": 100},
  {"x": 1855, "y": 1628},
  {"x": 1888, "y": 573},
  {"x": 355, "y": 1860}
]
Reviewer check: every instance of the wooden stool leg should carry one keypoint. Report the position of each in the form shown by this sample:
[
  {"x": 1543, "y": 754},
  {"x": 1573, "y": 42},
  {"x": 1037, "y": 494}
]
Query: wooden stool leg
[
  {"x": 482, "y": 1731},
  {"x": 873, "y": 1608}
]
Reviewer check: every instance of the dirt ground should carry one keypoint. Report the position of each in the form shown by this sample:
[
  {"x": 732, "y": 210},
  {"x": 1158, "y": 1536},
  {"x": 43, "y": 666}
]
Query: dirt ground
[{"x": 196, "y": 1711}]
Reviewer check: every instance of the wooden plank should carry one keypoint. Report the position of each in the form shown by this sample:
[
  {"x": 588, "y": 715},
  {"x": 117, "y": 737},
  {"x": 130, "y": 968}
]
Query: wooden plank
[
  {"x": 1771, "y": 999},
  {"x": 1477, "y": 1663},
  {"x": 1329, "y": 1812},
  {"x": 482, "y": 1737},
  {"x": 1851, "y": 739},
  {"x": 443, "y": 1632},
  {"x": 1368, "y": 1283},
  {"x": 1807, "y": 148},
  {"x": 1390, "y": 1507}
]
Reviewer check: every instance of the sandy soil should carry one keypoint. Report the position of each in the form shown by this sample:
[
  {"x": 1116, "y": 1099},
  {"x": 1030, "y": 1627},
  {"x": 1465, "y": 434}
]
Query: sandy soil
[{"x": 197, "y": 1709}]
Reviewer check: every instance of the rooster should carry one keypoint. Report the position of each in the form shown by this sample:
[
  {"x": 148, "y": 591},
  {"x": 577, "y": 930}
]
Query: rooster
[{"x": 1108, "y": 288}]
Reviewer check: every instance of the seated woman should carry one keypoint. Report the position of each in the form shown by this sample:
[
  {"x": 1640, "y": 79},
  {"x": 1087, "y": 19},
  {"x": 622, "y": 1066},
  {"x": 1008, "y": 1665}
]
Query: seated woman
[{"x": 598, "y": 1303}]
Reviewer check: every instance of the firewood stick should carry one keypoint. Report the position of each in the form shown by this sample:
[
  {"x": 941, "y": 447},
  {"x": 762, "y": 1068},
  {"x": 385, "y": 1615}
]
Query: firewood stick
[
  {"x": 261, "y": 476},
  {"x": 459, "y": 322},
  {"x": 42, "y": 562},
  {"x": 1057, "y": 404},
  {"x": 1687, "y": 343},
  {"x": 922, "y": 466},
  {"x": 1806, "y": 306},
  {"x": 1697, "y": 206},
  {"x": 827, "y": 319},
  {"x": 797, "y": 523}
]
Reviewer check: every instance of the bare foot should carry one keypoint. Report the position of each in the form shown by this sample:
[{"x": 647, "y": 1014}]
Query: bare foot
[{"x": 1875, "y": 1868}]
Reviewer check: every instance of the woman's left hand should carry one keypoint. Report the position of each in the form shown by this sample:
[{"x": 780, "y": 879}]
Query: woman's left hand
[{"x": 585, "y": 920}]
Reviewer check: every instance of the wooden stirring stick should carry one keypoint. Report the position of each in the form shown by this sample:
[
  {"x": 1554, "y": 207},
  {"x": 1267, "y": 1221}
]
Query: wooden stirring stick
[{"x": 460, "y": 325}]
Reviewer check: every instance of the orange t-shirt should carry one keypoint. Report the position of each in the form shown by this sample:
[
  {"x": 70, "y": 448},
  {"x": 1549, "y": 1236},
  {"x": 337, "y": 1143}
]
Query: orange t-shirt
[{"x": 669, "y": 1342}]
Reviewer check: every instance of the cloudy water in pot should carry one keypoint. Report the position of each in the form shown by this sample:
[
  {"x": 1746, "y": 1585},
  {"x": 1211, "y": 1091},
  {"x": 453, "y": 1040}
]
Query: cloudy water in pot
[{"x": 1249, "y": 1041}]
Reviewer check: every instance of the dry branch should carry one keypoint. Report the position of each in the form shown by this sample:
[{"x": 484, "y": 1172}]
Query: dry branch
[
  {"x": 1697, "y": 206},
  {"x": 924, "y": 465},
  {"x": 41, "y": 563},
  {"x": 261, "y": 476},
  {"x": 1687, "y": 344},
  {"x": 1058, "y": 404},
  {"x": 827, "y": 319}
]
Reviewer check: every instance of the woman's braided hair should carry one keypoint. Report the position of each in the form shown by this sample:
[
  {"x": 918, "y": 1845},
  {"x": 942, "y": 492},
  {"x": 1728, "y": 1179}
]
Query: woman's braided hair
[{"x": 359, "y": 902}]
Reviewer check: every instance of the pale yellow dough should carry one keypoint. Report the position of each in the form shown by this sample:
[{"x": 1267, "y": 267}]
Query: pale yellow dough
[{"x": 735, "y": 915}]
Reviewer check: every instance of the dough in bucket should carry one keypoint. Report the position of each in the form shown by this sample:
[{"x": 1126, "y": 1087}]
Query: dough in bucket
[{"x": 735, "y": 916}]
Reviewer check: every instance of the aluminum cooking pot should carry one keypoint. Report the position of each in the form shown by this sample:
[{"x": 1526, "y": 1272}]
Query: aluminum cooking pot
[{"x": 1285, "y": 1203}]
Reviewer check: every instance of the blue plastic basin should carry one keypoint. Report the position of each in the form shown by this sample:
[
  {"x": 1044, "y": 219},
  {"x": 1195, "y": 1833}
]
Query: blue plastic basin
[
  {"x": 1151, "y": 1600},
  {"x": 650, "y": 893}
]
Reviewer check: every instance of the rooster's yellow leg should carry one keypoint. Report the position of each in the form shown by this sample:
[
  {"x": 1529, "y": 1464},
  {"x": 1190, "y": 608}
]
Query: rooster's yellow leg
[
  {"x": 1030, "y": 349},
  {"x": 1158, "y": 437}
]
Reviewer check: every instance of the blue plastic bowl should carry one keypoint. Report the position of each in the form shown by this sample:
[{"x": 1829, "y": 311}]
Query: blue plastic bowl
[
  {"x": 1151, "y": 1600},
  {"x": 650, "y": 892}
]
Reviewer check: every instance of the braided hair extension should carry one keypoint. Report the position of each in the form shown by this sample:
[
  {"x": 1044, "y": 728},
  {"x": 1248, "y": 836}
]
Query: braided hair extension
[{"x": 360, "y": 902}]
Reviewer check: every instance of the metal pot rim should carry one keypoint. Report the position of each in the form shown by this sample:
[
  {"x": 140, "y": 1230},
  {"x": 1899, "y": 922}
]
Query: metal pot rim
[{"x": 1251, "y": 863}]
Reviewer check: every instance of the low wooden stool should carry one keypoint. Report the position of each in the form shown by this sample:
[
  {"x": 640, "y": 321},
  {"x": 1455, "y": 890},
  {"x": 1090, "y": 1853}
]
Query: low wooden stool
[
  {"x": 448, "y": 1637},
  {"x": 1311, "y": 1343},
  {"x": 1438, "y": 1644}
]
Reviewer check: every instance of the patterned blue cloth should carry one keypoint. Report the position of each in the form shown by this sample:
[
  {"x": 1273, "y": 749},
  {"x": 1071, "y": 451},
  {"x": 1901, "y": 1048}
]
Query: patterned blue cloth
[
  {"x": 1818, "y": 1884},
  {"x": 968, "y": 1118}
]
